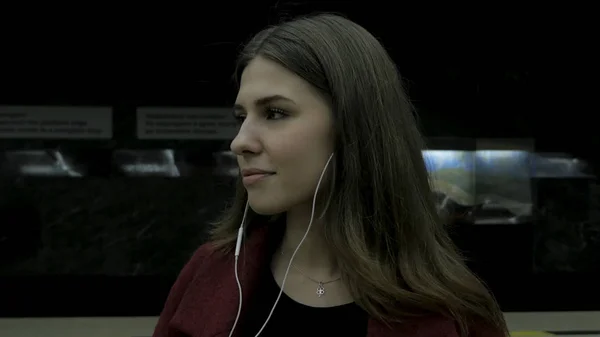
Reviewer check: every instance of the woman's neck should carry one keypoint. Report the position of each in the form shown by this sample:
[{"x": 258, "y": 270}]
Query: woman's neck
[{"x": 313, "y": 256}]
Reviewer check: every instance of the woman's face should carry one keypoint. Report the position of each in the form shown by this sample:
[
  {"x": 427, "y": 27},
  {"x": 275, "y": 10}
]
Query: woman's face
[{"x": 285, "y": 137}]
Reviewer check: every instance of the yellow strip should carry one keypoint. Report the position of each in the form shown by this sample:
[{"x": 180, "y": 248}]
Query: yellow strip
[{"x": 529, "y": 333}]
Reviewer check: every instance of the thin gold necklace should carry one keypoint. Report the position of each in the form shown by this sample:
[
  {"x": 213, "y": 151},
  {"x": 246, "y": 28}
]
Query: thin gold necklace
[{"x": 320, "y": 284}]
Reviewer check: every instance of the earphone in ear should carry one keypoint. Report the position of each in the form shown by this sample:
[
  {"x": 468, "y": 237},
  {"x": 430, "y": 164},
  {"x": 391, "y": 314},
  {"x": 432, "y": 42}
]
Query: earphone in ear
[{"x": 239, "y": 244}]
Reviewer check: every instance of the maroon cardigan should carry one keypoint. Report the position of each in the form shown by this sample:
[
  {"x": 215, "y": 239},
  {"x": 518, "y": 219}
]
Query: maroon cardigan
[{"x": 204, "y": 300}]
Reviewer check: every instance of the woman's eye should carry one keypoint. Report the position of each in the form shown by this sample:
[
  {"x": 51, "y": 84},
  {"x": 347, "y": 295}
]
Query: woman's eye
[{"x": 274, "y": 113}]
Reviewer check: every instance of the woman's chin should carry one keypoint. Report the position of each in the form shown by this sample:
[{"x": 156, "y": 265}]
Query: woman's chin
[
  {"x": 266, "y": 208},
  {"x": 265, "y": 211}
]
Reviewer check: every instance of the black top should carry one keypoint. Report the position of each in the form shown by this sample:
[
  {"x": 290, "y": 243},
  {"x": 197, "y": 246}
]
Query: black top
[{"x": 291, "y": 318}]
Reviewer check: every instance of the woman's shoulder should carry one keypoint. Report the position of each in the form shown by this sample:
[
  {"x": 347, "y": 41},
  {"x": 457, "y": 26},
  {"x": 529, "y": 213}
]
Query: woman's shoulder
[{"x": 205, "y": 255}]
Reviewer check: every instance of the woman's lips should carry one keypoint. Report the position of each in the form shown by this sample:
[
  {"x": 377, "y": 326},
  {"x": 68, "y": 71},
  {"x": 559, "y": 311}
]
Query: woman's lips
[{"x": 252, "y": 179}]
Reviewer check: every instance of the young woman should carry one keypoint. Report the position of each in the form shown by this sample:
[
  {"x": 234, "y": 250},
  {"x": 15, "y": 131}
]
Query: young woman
[{"x": 340, "y": 236}]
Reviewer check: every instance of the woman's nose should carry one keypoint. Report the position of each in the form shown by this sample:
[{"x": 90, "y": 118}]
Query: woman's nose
[{"x": 246, "y": 141}]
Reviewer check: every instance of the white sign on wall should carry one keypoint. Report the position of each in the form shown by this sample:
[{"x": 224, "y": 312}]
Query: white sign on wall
[
  {"x": 55, "y": 122},
  {"x": 186, "y": 123}
]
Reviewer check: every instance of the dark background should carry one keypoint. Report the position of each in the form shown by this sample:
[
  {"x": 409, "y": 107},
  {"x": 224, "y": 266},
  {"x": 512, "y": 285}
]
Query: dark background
[{"x": 472, "y": 73}]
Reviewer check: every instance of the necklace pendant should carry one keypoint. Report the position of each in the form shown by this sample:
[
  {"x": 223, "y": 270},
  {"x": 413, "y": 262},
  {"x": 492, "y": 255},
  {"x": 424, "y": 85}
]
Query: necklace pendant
[{"x": 320, "y": 289}]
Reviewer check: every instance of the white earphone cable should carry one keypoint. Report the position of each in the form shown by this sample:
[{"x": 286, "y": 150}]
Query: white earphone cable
[
  {"x": 312, "y": 215},
  {"x": 237, "y": 277},
  {"x": 237, "y": 252}
]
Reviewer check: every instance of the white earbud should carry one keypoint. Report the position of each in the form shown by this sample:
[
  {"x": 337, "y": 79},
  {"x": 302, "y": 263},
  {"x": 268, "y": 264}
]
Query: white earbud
[{"x": 239, "y": 243}]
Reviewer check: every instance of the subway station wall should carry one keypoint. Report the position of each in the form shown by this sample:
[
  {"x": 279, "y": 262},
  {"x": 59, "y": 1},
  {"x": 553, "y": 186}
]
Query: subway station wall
[{"x": 100, "y": 210}]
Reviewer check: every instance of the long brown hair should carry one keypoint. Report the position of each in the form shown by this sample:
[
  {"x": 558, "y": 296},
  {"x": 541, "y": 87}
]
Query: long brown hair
[{"x": 383, "y": 226}]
